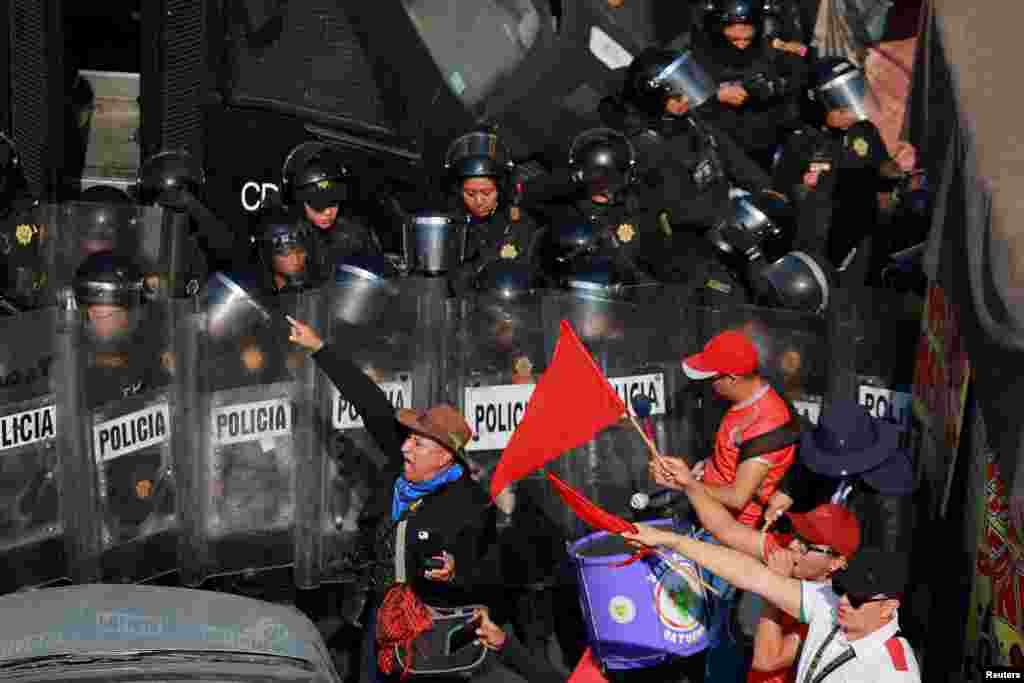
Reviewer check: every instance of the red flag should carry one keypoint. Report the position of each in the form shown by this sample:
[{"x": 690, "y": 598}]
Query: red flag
[
  {"x": 571, "y": 403},
  {"x": 585, "y": 509},
  {"x": 587, "y": 670}
]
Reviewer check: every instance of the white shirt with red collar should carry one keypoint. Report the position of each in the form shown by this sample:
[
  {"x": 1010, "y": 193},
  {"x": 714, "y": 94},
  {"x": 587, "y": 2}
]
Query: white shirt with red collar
[{"x": 880, "y": 657}]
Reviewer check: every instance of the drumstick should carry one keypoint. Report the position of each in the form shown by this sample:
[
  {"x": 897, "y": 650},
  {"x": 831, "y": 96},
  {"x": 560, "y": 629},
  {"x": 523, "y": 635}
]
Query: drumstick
[{"x": 681, "y": 569}]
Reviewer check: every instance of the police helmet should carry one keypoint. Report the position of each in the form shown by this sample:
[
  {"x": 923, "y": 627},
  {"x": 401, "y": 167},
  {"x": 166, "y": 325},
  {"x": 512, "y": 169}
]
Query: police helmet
[
  {"x": 729, "y": 12},
  {"x": 797, "y": 281},
  {"x": 506, "y": 280},
  {"x": 314, "y": 174},
  {"x": 478, "y": 154},
  {"x": 106, "y": 194},
  {"x": 278, "y": 235},
  {"x": 603, "y": 159},
  {"x": 110, "y": 278},
  {"x": 840, "y": 84},
  {"x": 168, "y": 172},
  {"x": 656, "y": 75}
]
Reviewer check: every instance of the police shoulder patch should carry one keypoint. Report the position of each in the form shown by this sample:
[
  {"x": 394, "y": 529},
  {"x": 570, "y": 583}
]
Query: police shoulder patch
[
  {"x": 860, "y": 146},
  {"x": 509, "y": 251}
]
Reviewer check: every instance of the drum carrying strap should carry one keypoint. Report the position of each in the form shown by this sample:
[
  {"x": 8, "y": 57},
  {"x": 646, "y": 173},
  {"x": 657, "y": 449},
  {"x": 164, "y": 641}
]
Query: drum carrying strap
[{"x": 400, "y": 576}]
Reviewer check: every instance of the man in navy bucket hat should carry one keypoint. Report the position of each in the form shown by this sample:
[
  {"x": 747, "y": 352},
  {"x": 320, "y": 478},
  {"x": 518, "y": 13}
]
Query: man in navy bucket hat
[{"x": 858, "y": 461}]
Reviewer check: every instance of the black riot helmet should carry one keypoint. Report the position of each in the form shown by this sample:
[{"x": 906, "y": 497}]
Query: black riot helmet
[
  {"x": 603, "y": 160},
  {"x": 798, "y": 281},
  {"x": 728, "y": 12},
  {"x": 108, "y": 278},
  {"x": 280, "y": 234},
  {"x": 167, "y": 173},
  {"x": 656, "y": 75},
  {"x": 315, "y": 174},
  {"x": 839, "y": 84},
  {"x": 478, "y": 154}
]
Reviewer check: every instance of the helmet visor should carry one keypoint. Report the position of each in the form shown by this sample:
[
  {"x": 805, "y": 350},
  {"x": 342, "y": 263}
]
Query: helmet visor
[
  {"x": 850, "y": 91},
  {"x": 684, "y": 77},
  {"x": 477, "y": 144}
]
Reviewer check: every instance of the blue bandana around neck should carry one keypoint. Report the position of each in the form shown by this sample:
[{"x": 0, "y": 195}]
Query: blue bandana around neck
[{"x": 408, "y": 492}]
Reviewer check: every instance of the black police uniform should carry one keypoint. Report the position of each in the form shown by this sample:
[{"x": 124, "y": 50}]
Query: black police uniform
[
  {"x": 773, "y": 80},
  {"x": 348, "y": 236},
  {"x": 495, "y": 238},
  {"x": 22, "y": 266},
  {"x": 841, "y": 211}
]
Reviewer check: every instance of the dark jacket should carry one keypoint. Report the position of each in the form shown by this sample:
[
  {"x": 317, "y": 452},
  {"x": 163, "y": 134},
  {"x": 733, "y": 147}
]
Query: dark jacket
[
  {"x": 685, "y": 166},
  {"x": 458, "y": 518},
  {"x": 773, "y": 79},
  {"x": 348, "y": 237},
  {"x": 497, "y": 238},
  {"x": 842, "y": 209}
]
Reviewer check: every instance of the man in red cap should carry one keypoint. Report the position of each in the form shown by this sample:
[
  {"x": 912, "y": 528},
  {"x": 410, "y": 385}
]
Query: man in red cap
[
  {"x": 809, "y": 547},
  {"x": 740, "y": 477}
]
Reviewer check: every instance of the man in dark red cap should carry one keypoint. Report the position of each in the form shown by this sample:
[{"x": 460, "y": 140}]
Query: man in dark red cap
[
  {"x": 810, "y": 547},
  {"x": 741, "y": 477}
]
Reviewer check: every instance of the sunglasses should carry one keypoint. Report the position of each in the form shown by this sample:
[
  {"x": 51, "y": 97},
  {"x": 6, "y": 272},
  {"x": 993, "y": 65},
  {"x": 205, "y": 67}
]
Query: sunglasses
[
  {"x": 784, "y": 525},
  {"x": 858, "y": 600}
]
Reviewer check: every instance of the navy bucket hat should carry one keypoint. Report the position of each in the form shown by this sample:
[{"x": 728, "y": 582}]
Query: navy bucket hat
[{"x": 848, "y": 442}]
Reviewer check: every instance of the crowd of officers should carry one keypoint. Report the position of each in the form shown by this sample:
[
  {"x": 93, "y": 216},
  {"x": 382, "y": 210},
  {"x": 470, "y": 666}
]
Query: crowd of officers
[{"x": 742, "y": 168}]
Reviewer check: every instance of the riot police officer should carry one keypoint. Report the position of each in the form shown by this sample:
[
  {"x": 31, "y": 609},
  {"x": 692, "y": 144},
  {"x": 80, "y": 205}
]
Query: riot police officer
[
  {"x": 316, "y": 186},
  {"x": 479, "y": 170},
  {"x": 174, "y": 179},
  {"x": 758, "y": 85},
  {"x": 124, "y": 353},
  {"x": 835, "y": 173},
  {"x": 686, "y": 167},
  {"x": 22, "y": 267},
  {"x": 602, "y": 218}
]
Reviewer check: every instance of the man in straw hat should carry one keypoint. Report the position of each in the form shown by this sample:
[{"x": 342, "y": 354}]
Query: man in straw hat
[{"x": 429, "y": 511}]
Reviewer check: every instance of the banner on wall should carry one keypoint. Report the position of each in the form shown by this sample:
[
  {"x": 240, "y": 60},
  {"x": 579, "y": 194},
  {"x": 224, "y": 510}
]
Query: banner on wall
[{"x": 941, "y": 376}]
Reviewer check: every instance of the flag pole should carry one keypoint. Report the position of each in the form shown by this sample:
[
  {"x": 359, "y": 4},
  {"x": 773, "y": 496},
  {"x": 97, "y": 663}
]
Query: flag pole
[{"x": 647, "y": 440}]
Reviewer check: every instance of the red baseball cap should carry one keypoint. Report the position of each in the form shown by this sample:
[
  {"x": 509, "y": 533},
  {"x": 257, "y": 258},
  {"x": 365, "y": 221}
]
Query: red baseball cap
[
  {"x": 728, "y": 353},
  {"x": 829, "y": 525}
]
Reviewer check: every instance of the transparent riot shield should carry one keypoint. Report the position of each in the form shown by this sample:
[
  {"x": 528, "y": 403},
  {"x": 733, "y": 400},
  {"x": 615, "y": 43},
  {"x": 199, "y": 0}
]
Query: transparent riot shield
[
  {"x": 250, "y": 426},
  {"x": 116, "y": 399},
  {"x": 143, "y": 233},
  {"x": 887, "y": 327},
  {"x": 496, "y": 350},
  {"x": 391, "y": 331},
  {"x": 793, "y": 352},
  {"x": 636, "y": 336},
  {"x": 32, "y": 534}
]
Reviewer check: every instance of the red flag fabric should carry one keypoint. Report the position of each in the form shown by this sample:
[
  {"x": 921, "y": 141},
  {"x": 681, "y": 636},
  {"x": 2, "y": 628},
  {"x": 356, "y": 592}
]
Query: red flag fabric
[
  {"x": 571, "y": 403},
  {"x": 586, "y": 510},
  {"x": 587, "y": 670}
]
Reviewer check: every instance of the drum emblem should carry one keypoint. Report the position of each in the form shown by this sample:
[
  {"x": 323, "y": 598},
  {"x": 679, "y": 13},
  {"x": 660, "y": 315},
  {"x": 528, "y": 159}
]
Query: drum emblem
[{"x": 677, "y": 603}]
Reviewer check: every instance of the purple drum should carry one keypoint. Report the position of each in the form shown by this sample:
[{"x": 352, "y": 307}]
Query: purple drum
[{"x": 644, "y": 613}]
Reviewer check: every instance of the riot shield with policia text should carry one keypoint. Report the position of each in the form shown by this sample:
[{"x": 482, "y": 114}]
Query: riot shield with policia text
[
  {"x": 636, "y": 336},
  {"x": 384, "y": 325},
  {"x": 32, "y": 504},
  {"x": 494, "y": 355},
  {"x": 250, "y": 425},
  {"x": 117, "y": 402}
]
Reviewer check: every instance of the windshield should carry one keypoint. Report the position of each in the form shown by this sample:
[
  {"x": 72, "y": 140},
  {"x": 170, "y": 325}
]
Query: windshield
[{"x": 475, "y": 42}]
